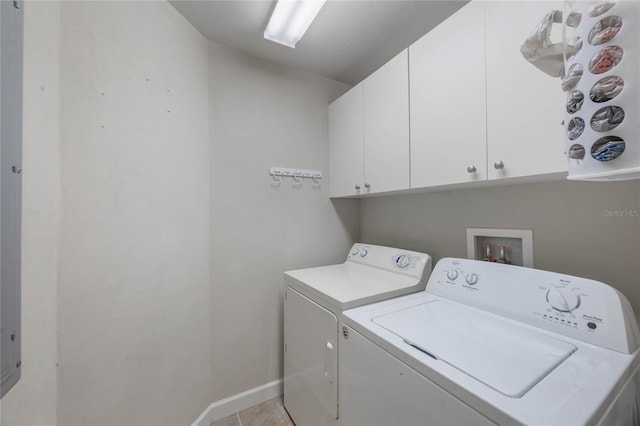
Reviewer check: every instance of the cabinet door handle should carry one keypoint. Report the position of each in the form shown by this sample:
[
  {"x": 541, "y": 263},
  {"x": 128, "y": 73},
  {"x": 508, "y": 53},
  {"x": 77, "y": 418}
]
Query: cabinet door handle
[
  {"x": 357, "y": 187},
  {"x": 498, "y": 165},
  {"x": 472, "y": 169},
  {"x": 366, "y": 185}
]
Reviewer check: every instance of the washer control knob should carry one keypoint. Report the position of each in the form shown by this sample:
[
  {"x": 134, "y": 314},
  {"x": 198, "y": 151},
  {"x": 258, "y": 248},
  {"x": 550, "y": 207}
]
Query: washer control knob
[
  {"x": 364, "y": 252},
  {"x": 355, "y": 251},
  {"x": 452, "y": 274},
  {"x": 563, "y": 300},
  {"x": 472, "y": 279},
  {"x": 403, "y": 261}
]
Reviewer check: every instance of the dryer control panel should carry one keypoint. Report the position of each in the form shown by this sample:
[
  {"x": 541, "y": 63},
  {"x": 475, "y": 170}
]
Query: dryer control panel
[
  {"x": 405, "y": 262},
  {"x": 579, "y": 308}
]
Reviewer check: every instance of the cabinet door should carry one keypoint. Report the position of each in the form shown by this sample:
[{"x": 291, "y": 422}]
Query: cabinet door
[
  {"x": 11, "y": 24},
  {"x": 386, "y": 127},
  {"x": 346, "y": 144},
  {"x": 310, "y": 361},
  {"x": 448, "y": 120},
  {"x": 524, "y": 105}
]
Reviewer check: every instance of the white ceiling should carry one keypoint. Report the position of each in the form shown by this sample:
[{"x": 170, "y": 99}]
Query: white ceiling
[{"x": 348, "y": 40}]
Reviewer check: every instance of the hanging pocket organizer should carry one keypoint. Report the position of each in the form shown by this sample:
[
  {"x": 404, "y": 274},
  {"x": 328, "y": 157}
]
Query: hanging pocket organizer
[{"x": 602, "y": 116}]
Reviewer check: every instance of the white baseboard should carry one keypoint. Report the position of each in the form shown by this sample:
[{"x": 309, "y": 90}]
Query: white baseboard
[{"x": 228, "y": 406}]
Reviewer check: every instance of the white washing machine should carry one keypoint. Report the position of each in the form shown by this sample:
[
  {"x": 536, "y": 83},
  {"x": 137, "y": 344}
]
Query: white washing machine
[
  {"x": 314, "y": 301},
  {"x": 487, "y": 343}
]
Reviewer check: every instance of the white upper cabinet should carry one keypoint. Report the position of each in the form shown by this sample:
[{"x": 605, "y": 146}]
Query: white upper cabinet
[
  {"x": 448, "y": 101},
  {"x": 346, "y": 144},
  {"x": 524, "y": 105},
  {"x": 460, "y": 105},
  {"x": 386, "y": 127},
  {"x": 369, "y": 133}
]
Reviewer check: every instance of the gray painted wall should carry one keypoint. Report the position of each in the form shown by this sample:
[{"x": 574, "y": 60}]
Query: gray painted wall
[
  {"x": 133, "y": 311},
  {"x": 575, "y": 230},
  {"x": 264, "y": 115}
]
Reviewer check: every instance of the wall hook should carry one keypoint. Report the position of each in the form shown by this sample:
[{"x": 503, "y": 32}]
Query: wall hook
[
  {"x": 277, "y": 180},
  {"x": 278, "y": 174}
]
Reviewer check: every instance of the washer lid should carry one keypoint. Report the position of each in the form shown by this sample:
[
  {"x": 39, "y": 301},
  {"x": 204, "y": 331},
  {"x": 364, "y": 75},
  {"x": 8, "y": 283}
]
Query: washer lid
[{"x": 501, "y": 354}]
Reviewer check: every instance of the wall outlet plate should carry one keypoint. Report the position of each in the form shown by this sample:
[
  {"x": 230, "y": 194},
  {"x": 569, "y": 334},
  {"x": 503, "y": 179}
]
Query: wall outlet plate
[{"x": 518, "y": 244}]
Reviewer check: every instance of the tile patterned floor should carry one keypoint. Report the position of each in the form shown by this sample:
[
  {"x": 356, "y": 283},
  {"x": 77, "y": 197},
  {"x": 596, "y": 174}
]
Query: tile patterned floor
[{"x": 269, "y": 413}]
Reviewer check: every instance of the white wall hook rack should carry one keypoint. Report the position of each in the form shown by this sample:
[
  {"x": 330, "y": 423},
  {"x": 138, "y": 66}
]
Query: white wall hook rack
[{"x": 297, "y": 175}]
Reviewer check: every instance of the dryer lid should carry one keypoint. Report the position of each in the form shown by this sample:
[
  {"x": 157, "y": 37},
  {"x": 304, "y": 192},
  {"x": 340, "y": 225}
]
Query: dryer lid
[
  {"x": 503, "y": 355},
  {"x": 351, "y": 284}
]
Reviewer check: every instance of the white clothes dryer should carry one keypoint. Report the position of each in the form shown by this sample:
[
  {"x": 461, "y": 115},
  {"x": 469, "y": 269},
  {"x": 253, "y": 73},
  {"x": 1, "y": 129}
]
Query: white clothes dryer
[
  {"x": 487, "y": 343},
  {"x": 314, "y": 301}
]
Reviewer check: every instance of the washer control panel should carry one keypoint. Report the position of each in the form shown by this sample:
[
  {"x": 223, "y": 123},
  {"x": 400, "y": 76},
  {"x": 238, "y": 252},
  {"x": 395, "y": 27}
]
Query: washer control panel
[
  {"x": 576, "y": 307},
  {"x": 563, "y": 300},
  {"x": 462, "y": 276},
  {"x": 401, "y": 261}
]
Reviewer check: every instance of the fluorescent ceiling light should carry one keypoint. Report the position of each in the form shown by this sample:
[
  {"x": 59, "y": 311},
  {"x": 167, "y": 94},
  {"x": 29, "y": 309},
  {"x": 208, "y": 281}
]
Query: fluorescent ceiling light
[{"x": 291, "y": 19}]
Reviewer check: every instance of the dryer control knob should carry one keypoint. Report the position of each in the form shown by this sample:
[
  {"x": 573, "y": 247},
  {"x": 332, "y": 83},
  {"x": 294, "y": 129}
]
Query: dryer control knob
[
  {"x": 364, "y": 252},
  {"x": 355, "y": 251},
  {"x": 472, "y": 279},
  {"x": 452, "y": 274},
  {"x": 403, "y": 261},
  {"x": 563, "y": 300}
]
